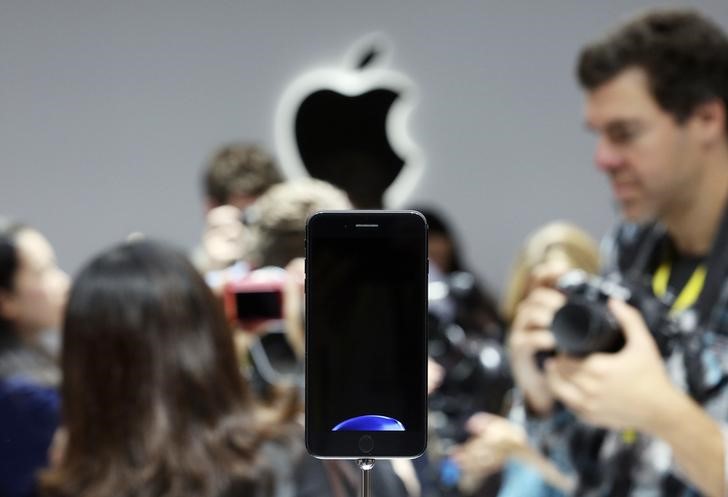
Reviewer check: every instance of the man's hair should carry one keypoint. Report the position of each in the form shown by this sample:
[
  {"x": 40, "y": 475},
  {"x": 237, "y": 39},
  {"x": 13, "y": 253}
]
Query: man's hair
[
  {"x": 684, "y": 55},
  {"x": 277, "y": 219},
  {"x": 239, "y": 169}
]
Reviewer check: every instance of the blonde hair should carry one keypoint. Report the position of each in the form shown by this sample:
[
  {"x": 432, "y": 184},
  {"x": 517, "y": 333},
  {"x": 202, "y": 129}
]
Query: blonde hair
[{"x": 574, "y": 244}]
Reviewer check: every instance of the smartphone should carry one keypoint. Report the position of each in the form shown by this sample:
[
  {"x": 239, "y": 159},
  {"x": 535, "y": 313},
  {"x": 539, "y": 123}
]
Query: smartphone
[
  {"x": 251, "y": 301},
  {"x": 366, "y": 334}
]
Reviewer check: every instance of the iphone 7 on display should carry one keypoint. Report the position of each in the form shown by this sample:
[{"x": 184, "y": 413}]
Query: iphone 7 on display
[{"x": 366, "y": 334}]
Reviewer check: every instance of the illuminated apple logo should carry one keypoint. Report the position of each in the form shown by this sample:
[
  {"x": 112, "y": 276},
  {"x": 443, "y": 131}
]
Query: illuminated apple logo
[{"x": 347, "y": 125}]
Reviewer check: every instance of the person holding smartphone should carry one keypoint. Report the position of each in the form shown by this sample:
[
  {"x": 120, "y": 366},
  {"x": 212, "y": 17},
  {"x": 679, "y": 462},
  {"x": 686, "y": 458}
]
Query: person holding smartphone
[
  {"x": 646, "y": 420},
  {"x": 277, "y": 223},
  {"x": 234, "y": 177}
]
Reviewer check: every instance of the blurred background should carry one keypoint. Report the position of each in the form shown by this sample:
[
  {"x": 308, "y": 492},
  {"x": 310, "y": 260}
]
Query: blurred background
[{"x": 108, "y": 110}]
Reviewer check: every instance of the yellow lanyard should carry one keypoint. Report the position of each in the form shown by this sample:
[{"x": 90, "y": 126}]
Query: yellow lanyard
[{"x": 689, "y": 293}]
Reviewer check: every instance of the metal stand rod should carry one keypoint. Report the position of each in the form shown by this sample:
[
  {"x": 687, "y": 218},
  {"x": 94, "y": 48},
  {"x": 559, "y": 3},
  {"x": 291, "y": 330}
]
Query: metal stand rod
[{"x": 366, "y": 466}]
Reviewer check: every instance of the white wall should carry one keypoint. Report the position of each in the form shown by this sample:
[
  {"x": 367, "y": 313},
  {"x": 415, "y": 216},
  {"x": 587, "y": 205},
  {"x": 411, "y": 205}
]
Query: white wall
[{"x": 108, "y": 109}]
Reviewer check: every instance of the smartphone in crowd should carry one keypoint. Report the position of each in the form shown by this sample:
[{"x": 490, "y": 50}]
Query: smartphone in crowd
[
  {"x": 366, "y": 334},
  {"x": 252, "y": 300}
]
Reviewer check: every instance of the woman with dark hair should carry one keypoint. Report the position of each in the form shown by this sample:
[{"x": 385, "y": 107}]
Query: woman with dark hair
[
  {"x": 476, "y": 309},
  {"x": 32, "y": 295},
  {"x": 153, "y": 401}
]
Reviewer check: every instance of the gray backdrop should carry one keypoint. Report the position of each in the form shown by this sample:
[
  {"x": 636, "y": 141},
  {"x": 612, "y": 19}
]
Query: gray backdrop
[{"x": 108, "y": 109}]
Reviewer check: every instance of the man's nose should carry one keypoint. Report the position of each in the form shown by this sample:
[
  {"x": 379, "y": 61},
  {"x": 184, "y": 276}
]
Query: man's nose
[{"x": 607, "y": 156}]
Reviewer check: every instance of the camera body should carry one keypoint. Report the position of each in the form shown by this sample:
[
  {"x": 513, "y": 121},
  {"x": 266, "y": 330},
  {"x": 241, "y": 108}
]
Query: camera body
[
  {"x": 256, "y": 297},
  {"x": 585, "y": 325},
  {"x": 477, "y": 375}
]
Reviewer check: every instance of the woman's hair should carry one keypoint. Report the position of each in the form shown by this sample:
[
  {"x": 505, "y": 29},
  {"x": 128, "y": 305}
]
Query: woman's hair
[
  {"x": 153, "y": 401},
  {"x": 9, "y": 263},
  {"x": 480, "y": 310},
  {"x": 437, "y": 224},
  {"x": 574, "y": 244}
]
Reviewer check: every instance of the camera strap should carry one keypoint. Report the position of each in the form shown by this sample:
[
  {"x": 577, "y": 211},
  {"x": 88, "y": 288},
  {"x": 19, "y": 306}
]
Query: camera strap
[
  {"x": 717, "y": 267},
  {"x": 705, "y": 295},
  {"x": 690, "y": 291}
]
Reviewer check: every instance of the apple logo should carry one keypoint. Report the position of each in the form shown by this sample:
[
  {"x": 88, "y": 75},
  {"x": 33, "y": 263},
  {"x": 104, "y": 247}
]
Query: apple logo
[{"x": 347, "y": 125}]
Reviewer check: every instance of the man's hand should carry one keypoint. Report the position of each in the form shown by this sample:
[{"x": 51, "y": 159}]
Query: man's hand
[
  {"x": 631, "y": 389},
  {"x": 435, "y": 375},
  {"x": 293, "y": 304},
  {"x": 620, "y": 390},
  {"x": 495, "y": 440}
]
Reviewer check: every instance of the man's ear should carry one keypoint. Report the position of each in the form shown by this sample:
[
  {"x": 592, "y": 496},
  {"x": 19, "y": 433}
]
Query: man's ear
[
  {"x": 8, "y": 305},
  {"x": 710, "y": 121}
]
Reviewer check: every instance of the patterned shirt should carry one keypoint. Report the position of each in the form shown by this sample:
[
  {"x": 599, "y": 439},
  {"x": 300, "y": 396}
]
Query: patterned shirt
[{"x": 608, "y": 463}]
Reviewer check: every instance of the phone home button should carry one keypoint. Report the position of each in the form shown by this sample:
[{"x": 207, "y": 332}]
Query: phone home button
[{"x": 366, "y": 444}]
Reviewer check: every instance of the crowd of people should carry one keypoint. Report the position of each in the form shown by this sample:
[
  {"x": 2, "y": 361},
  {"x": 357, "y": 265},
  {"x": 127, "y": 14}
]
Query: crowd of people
[{"x": 136, "y": 379}]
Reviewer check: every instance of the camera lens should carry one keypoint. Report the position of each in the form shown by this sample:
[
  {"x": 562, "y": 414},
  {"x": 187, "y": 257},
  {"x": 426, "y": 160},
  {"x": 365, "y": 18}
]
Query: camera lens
[{"x": 581, "y": 328}]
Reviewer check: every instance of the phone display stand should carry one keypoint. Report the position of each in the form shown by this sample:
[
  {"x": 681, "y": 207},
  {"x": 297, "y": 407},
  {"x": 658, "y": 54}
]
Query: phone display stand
[{"x": 366, "y": 466}]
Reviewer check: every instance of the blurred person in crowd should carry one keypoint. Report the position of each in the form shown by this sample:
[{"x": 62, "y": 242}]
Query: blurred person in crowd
[
  {"x": 476, "y": 310},
  {"x": 33, "y": 293},
  {"x": 153, "y": 401},
  {"x": 277, "y": 220},
  {"x": 237, "y": 174},
  {"x": 650, "y": 418},
  {"x": 276, "y": 227},
  {"x": 276, "y": 231},
  {"x": 497, "y": 441},
  {"x": 277, "y": 223},
  {"x": 465, "y": 334},
  {"x": 554, "y": 248},
  {"x": 234, "y": 177}
]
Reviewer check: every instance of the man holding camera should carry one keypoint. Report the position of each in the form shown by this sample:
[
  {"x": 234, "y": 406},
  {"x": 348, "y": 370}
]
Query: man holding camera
[{"x": 647, "y": 420}]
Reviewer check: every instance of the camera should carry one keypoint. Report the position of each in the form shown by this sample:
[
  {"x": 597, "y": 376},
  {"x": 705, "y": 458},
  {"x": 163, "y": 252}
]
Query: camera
[
  {"x": 585, "y": 325},
  {"x": 477, "y": 375},
  {"x": 256, "y": 297},
  {"x": 254, "y": 300}
]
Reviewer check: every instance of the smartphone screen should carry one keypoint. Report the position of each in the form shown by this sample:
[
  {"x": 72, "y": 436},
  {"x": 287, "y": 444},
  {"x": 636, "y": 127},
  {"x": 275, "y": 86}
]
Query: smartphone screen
[
  {"x": 249, "y": 300},
  {"x": 366, "y": 334},
  {"x": 262, "y": 304}
]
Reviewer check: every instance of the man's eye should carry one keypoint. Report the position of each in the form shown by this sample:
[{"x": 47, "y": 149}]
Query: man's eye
[{"x": 623, "y": 135}]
